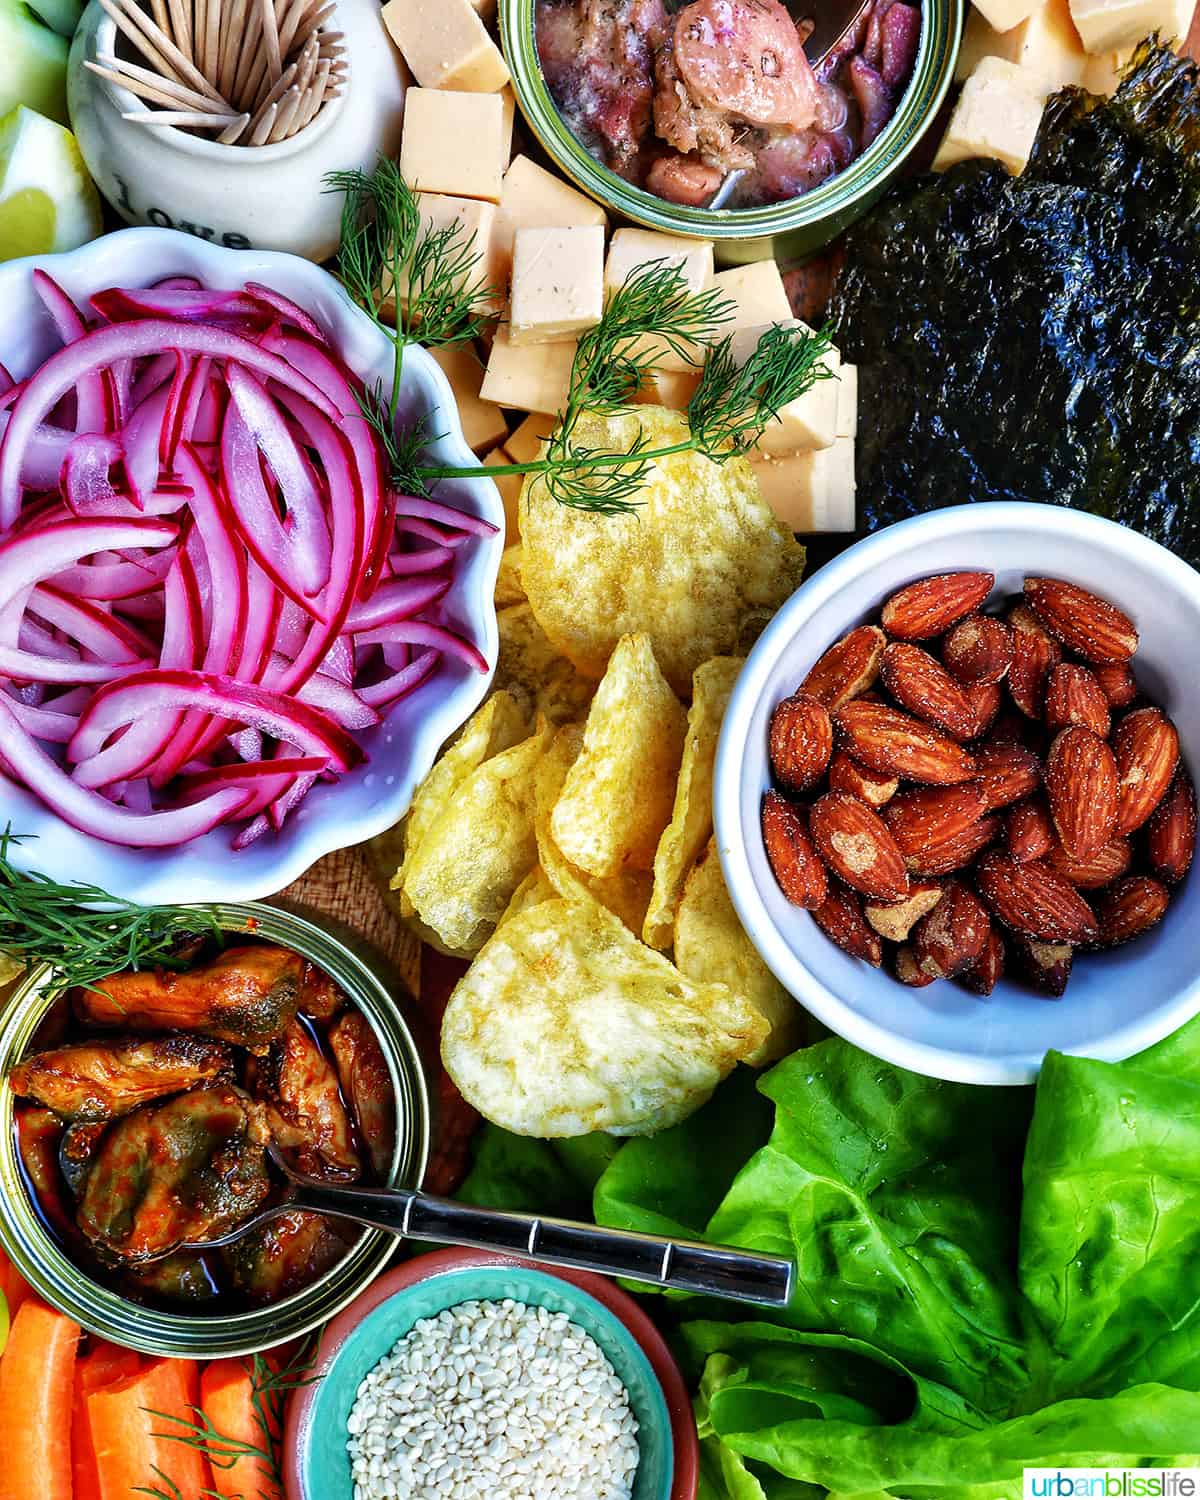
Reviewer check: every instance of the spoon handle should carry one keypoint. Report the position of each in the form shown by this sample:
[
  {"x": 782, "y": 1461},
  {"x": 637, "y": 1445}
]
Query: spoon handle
[{"x": 680, "y": 1265}]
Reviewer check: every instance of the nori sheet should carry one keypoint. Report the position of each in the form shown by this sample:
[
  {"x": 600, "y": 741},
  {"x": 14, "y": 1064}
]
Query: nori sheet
[{"x": 1038, "y": 337}]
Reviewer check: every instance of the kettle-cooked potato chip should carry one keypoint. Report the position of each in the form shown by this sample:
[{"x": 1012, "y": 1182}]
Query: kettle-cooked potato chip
[
  {"x": 618, "y": 795},
  {"x": 532, "y": 891},
  {"x": 566, "y": 1024},
  {"x": 626, "y": 894},
  {"x": 509, "y": 588},
  {"x": 691, "y": 821},
  {"x": 700, "y": 558},
  {"x": 500, "y": 723},
  {"x": 711, "y": 947},
  {"x": 534, "y": 673},
  {"x": 462, "y": 874}
]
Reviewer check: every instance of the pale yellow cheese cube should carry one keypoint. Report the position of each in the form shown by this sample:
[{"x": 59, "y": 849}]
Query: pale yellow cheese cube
[
  {"x": 533, "y": 198},
  {"x": 508, "y": 102},
  {"x": 525, "y": 442},
  {"x": 509, "y": 486},
  {"x": 757, "y": 293},
  {"x": 811, "y": 420},
  {"x": 557, "y": 283},
  {"x": 1106, "y": 25},
  {"x": 630, "y": 249},
  {"x": 1003, "y": 15},
  {"x": 1046, "y": 42},
  {"x": 670, "y": 388},
  {"x": 997, "y": 115},
  {"x": 1103, "y": 72},
  {"x": 446, "y": 45},
  {"x": 530, "y": 377},
  {"x": 453, "y": 142},
  {"x": 482, "y": 421},
  {"x": 810, "y": 492},
  {"x": 847, "y": 402},
  {"x": 475, "y": 220}
]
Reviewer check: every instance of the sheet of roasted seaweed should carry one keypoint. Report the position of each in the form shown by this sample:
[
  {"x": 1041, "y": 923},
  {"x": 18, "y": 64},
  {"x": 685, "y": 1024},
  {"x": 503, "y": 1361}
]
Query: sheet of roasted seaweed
[{"x": 1038, "y": 337}]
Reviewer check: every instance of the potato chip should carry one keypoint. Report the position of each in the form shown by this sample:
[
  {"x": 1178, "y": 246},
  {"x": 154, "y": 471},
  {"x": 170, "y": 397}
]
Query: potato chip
[
  {"x": 532, "y": 891},
  {"x": 618, "y": 795},
  {"x": 534, "y": 673},
  {"x": 11, "y": 967},
  {"x": 566, "y": 1024},
  {"x": 711, "y": 947},
  {"x": 626, "y": 894},
  {"x": 499, "y": 724},
  {"x": 509, "y": 588},
  {"x": 462, "y": 874},
  {"x": 691, "y": 821},
  {"x": 700, "y": 557}
]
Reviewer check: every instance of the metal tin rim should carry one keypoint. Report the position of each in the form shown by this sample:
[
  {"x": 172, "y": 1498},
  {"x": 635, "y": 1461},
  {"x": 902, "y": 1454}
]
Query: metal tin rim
[
  {"x": 941, "y": 25},
  {"x": 52, "y": 1275}
]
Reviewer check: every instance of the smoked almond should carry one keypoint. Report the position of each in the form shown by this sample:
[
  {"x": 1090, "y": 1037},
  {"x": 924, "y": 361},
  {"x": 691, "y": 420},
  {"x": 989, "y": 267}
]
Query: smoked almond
[
  {"x": 985, "y": 699},
  {"x": 953, "y": 935},
  {"x": 1081, "y": 787},
  {"x": 920, "y": 683},
  {"x": 1007, "y": 774},
  {"x": 1029, "y": 831},
  {"x": 791, "y": 853},
  {"x": 840, "y": 918},
  {"x": 1034, "y": 901},
  {"x": 1146, "y": 747},
  {"x": 855, "y": 844},
  {"x": 1047, "y": 966},
  {"x": 1073, "y": 696},
  {"x": 930, "y": 606},
  {"x": 875, "y": 788},
  {"x": 978, "y": 649},
  {"x": 898, "y": 744},
  {"x": 1131, "y": 907},
  {"x": 923, "y": 817},
  {"x": 1117, "y": 683},
  {"x": 1171, "y": 836},
  {"x": 849, "y": 668},
  {"x": 894, "y": 920},
  {"x": 800, "y": 742},
  {"x": 1092, "y": 874},
  {"x": 956, "y": 852},
  {"x": 988, "y": 969},
  {"x": 1086, "y": 624},
  {"x": 908, "y": 970},
  {"x": 1035, "y": 654}
]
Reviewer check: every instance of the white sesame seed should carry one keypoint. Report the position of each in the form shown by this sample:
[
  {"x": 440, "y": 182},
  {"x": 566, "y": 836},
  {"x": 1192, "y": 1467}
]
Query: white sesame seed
[{"x": 493, "y": 1401}]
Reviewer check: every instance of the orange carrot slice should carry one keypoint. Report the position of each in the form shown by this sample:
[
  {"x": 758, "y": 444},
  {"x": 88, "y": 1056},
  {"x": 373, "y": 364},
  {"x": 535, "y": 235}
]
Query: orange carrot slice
[
  {"x": 227, "y": 1399},
  {"x": 104, "y": 1365},
  {"x": 139, "y": 1426},
  {"x": 37, "y": 1381}
]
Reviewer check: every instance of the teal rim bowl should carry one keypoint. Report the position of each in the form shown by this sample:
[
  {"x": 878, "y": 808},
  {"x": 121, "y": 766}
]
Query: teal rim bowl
[{"x": 318, "y": 1465}]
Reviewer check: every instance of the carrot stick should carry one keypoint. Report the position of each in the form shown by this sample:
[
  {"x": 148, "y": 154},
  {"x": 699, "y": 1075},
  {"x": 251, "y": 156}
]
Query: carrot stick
[
  {"x": 37, "y": 1380},
  {"x": 13, "y": 1286},
  {"x": 227, "y": 1400},
  {"x": 105, "y": 1365},
  {"x": 137, "y": 1428}
]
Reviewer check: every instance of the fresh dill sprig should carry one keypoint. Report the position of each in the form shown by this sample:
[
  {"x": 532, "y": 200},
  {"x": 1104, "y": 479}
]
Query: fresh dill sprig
[
  {"x": 85, "y": 934},
  {"x": 653, "y": 312}
]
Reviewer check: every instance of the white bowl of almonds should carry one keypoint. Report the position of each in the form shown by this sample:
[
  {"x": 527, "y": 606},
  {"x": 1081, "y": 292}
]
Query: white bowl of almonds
[{"x": 953, "y": 801}]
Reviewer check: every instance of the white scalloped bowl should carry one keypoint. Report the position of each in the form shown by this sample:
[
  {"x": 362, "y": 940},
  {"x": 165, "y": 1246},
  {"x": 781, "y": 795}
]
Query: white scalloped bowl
[
  {"x": 400, "y": 751},
  {"x": 1117, "y": 1002}
]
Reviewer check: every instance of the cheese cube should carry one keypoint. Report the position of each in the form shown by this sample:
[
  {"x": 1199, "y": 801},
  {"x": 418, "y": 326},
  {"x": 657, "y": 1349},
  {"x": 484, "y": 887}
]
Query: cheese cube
[
  {"x": 530, "y": 377},
  {"x": 509, "y": 486},
  {"x": 475, "y": 218},
  {"x": 670, "y": 388},
  {"x": 483, "y": 423},
  {"x": 1046, "y": 42},
  {"x": 533, "y": 198},
  {"x": 557, "y": 283},
  {"x": 811, "y": 492},
  {"x": 525, "y": 443},
  {"x": 1103, "y": 72},
  {"x": 1003, "y": 15},
  {"x": 997, "y": 114},
  {"x": 847, "y": 402},
  {"x": 757, "y": 293},
  {"x": 633, "y": 248},
  {"x": 808, "y": 422},
  {"x": 508, "y": 101},
  {"x": 453, "y": 143},
  {"x": 446, "y": 45},
  {"x": 1106, "y": 25}
]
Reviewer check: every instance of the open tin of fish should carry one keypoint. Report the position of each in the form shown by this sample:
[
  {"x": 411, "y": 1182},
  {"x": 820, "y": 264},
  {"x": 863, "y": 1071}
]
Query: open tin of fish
[
  {"x": 42, "y": 1261},
  {"x": 788, "y": 230}
]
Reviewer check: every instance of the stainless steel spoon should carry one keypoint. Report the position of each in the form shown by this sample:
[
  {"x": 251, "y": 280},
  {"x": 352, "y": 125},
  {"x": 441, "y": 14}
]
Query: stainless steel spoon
[
  {"x": 681, "y": 1265},
  {"x": 830, "y": 23}
]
